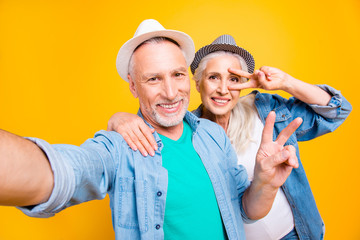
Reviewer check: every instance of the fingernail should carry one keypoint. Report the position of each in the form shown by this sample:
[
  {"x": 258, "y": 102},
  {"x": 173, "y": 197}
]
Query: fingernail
[{"x": 155, "y": 147}]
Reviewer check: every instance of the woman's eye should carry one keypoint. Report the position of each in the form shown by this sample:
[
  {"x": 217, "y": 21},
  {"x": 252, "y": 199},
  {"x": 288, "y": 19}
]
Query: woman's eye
[
  {"x": 213, "y": 77},
  {"x": 234, "y": 79}
]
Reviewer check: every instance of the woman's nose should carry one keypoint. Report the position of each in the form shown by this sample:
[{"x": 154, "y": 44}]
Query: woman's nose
[{"x": 223, "y": 88}]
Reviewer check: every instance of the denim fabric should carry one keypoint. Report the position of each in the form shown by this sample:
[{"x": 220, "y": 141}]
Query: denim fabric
[
  {"x": 137, "y": 185},
  {"x": 317, "y": 120},
  {"x": 292, "y": 235}
]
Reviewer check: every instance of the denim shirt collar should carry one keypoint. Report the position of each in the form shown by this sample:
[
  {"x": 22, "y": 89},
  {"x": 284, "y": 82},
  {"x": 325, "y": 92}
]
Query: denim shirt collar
[
  {"x": 197, "y": 112},
  {"x": 190, "y": 118}
]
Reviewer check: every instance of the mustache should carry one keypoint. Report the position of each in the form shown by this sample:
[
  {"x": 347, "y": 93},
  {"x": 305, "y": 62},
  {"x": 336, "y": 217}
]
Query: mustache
[{"x": 166, "y": 101}]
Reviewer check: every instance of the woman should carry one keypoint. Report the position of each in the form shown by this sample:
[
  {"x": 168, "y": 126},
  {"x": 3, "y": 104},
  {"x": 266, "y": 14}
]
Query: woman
[{"x": 220, "y": 70}]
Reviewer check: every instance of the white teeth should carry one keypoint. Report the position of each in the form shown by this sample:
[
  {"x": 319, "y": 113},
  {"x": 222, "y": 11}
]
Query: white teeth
[
  {"x": 220, "y": 101},
  {"x": 168, "y": 106}
]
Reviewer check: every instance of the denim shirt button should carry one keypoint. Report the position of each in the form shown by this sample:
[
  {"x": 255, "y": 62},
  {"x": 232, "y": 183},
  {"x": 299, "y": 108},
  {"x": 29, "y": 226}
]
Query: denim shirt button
[
  {"x": 157, "y": 226},
  {"x": 159, "y": 193}
]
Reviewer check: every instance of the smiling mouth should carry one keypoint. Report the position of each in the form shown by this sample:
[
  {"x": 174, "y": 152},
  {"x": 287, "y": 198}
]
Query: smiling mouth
[
  {"x": 220, "y": 101},
  {"x": 170, "y": 107}
]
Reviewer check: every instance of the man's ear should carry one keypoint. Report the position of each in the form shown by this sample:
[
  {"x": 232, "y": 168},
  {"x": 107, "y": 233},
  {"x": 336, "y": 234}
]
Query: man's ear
[{"x": 132, "y": 86}]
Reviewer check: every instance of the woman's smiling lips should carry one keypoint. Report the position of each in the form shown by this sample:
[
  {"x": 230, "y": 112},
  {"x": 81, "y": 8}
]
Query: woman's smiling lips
[{"x": 220, "y": 101}]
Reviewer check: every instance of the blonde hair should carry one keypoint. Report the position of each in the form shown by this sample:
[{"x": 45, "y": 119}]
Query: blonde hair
[{"x": 243, "y": 115}]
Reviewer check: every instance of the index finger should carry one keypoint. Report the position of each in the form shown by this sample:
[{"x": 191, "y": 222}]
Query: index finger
[
  {"x": 239, "y": 72},
  {"x": 147, "y": 132},
  {"x": 288, "y": 131},
  {"x": 267, "y": 135},
  {"x": 241, "y": 86}
]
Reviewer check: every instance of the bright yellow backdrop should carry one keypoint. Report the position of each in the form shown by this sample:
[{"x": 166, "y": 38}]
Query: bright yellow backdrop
[{"x": 58, "y": 81}]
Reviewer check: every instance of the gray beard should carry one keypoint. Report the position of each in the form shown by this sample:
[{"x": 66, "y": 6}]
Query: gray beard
[{"x": 171, "y": 119}]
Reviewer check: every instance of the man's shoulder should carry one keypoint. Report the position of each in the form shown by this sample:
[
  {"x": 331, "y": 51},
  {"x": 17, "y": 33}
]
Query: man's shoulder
[
  {"x": 110, "y": 139},
  {"x": 197, "y": 122},
  {"x": 207, "y": 124},
  {"x": 213, "y": 133},
  {"x": 202, "y": 125}
]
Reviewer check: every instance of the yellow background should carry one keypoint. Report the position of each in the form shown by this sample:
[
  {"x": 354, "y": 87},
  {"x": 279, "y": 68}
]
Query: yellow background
[{"x": 58, "y": 81}]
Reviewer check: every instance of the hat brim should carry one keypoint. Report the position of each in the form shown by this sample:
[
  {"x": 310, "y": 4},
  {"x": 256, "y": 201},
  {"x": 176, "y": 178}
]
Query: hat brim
[
  {"x": 202, "y": 52},
  {"x": 126, "y": 51}
]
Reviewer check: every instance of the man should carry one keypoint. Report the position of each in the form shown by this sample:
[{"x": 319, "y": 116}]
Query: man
[{"x": 192, "y": 182}]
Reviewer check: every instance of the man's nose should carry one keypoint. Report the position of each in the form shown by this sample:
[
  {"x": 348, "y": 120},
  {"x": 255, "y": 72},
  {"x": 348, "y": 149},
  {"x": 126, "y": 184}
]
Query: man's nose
[{"x": 170, "y": 88}]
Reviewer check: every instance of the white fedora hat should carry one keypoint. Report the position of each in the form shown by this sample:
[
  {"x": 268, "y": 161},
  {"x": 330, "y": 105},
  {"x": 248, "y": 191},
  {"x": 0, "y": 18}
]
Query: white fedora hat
[{"x": 148, "y": 29}]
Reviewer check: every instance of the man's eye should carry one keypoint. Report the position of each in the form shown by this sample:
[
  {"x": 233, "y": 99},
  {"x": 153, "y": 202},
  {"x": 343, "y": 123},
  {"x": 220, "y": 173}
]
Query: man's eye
[
  {"x": 152, "y": 79},
  {"x": 179, "y": 74}
]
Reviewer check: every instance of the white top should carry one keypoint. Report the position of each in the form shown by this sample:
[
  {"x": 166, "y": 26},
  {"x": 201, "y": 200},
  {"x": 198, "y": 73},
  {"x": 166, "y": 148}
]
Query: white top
[{"x": 279, "y": 221}]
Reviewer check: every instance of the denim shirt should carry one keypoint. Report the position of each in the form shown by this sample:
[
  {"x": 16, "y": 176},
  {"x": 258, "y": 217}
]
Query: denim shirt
[
  {"x": 137, "y": 185},
  {"x": 317, "y": 120}
]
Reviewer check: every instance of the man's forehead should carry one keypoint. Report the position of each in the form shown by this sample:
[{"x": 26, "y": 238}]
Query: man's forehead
[
  {"x": 154, "y": 58},
  {"x": 149, "y": 46},
  {"x": 175, "y": 70}
]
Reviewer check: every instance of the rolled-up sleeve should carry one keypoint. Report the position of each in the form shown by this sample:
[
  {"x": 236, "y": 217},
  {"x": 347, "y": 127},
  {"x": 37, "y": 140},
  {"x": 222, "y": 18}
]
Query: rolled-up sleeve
[
  {"x": 317, "y": 120},
  {"x": 338, "y": 106},
  {"x": 64, "y": 186},
  {"x": 81, "y": 173}
]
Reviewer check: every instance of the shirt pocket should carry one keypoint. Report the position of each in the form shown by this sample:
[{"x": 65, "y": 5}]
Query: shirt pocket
[{"x": 133, "y": 204}]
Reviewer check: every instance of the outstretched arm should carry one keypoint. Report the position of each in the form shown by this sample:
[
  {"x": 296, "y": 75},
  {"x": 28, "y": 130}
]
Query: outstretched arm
[
  {"x": 26, "y": 177},
  {"x": 274, "y": 163},
  {"x": 270, "y": 78}
]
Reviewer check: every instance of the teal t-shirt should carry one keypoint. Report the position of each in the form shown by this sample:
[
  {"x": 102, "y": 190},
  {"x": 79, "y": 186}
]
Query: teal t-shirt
[{"x": 191, "y": 210}]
